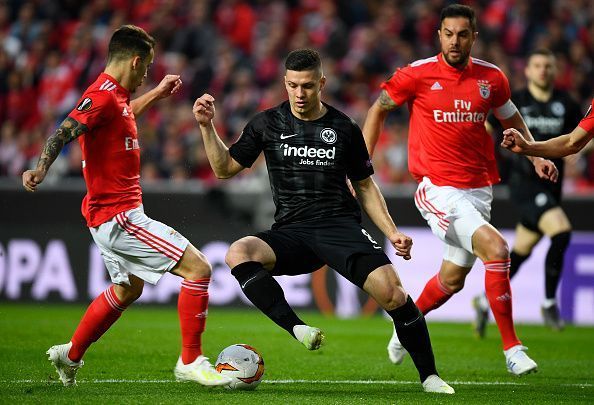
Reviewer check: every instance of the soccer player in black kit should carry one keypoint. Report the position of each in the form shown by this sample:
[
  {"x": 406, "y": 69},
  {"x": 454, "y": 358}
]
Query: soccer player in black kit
[
  {"x": 548, "y": 112},
  {"x": 310, "y": 149}
]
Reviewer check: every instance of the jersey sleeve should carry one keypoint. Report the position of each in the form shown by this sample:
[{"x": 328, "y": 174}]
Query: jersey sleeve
[
  {"x": 587, "y": 123},
  {"x": 94, "y": 109},
  {"x": 359, "y": 165},
  {"x": 401, "y": 86},
  {"x": 502, "y": 94},
  {"x": 247, "y": 148}
]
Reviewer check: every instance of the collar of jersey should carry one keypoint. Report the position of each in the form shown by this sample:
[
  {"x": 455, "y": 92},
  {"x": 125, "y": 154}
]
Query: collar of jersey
[
  {"x": 452, "y": 69},
  {"x": 118, "y": 85}
]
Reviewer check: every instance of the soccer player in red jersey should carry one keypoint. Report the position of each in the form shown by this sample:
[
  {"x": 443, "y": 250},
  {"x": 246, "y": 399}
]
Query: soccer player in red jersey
[
  {"x": 135, "y": 248},
  {"x": 560, "y": 146},
  {"x": 452, "y": 157}
]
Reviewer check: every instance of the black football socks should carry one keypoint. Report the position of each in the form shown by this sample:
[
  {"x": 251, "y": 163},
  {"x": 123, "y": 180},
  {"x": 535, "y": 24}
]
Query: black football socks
[
  {"x": 414, "y": 337},
  {"x": 554, "y": 263},
  {"x": 266, "y": 294},
  {"x": 516, "y": 260}
]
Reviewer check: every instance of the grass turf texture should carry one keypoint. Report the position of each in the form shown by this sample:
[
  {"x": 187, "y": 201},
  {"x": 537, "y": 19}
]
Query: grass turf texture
[{"x": 133, "y": 362}]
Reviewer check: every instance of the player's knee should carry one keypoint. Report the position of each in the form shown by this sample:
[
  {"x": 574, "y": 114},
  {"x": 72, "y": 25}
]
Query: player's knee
[
  {"x": 195, "y": 265},
  {"x": 453, "y": 282},
  {"x": 391, "y": 297},
  {"x": 202, "y": 268},
  {"x": 238, "y": 253},
  {"x": 127, "y": 294},
  {"x": 497, "y": 249}
]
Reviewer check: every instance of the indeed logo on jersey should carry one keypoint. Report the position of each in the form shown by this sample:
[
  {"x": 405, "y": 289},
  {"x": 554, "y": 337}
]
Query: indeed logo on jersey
[
  {"x": 310, "y": 152},
  {"x": 461, "y": 113}
]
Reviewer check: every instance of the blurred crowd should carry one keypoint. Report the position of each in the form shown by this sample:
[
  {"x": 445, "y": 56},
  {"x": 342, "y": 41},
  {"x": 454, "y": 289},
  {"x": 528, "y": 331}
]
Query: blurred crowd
[{"x": 51, "y": 50}]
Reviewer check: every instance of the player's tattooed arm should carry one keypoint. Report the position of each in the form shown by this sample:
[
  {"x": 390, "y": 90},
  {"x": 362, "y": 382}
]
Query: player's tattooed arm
[
  {"x": 374, "y": 123},
  {"x": 69, "y": 130},
  {"x": 386, "y": 102}
]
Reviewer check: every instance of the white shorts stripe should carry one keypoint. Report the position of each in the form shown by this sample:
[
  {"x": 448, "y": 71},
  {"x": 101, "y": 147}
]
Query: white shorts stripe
[
  {"x": 174, "y": 249},
  {"x": 145, "y": 237},
  {"x": 421, "y": 198},
  {"x": 141, "y": 238},
  {"x": 133, "y": 243},
  {"x": 461, "y": 212}
]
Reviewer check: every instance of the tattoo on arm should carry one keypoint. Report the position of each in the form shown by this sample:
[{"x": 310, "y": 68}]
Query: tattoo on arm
[
  {"x": 386, "y": 102},
  {"x": 69, "y": 130}
]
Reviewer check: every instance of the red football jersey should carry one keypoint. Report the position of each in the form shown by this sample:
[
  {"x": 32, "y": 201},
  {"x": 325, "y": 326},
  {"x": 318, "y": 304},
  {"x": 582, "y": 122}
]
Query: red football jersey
[
  {"x": 110, "y": 151},
  {"x": 448, "y": 142},
  {"x": 587, "y": 123}
]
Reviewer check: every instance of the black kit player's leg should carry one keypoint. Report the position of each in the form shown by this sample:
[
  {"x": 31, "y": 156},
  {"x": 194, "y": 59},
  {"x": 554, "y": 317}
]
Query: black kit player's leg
[
  {"x": 516, "y": 260},
  {"x": 414, "y": 336},
  {"x": 554, "y": 262},
  {"x": 266, "y": 294}
]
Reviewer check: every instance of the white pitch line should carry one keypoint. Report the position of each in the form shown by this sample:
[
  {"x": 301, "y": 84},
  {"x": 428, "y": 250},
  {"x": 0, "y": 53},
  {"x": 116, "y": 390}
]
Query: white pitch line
[{"x": 363, "y": 382}]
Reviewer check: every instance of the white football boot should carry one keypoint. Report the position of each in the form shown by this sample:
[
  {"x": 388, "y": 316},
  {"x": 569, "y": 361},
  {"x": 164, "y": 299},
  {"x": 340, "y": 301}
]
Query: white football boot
[
  {"x": 65, "y": 367},
  {"x": 200, "y": 371},
  {"x": 312, "y": 338},
  {"x": 480, "y": 304},
  {"x": 517, "y": 361},
  {"x": 396, "y": 352},
  {"x": 435, "y": 384}
]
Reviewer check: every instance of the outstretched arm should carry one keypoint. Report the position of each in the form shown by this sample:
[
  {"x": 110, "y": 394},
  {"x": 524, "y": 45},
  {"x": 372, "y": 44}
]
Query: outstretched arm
[
  {"x": 372, "y": 201},
  {"x": 223, "y": 165},
  {"x": 374, "y": 122},
  {"x": 560, "y": 146},
  {"x": 168, "y": 86},
  {"x": 544, "y": 168},
  {"x": 69, "y": 130}
]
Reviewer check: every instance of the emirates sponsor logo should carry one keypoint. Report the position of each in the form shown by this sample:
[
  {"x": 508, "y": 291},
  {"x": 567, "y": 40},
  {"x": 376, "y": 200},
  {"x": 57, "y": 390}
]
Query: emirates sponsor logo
[
  {"x": 461, "y": 113},
  {"x": 131, "y": 143}
]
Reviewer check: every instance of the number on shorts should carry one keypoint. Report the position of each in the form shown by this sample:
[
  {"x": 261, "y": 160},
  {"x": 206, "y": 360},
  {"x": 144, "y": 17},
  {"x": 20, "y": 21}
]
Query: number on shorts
[{"x": 373, "y": 242}]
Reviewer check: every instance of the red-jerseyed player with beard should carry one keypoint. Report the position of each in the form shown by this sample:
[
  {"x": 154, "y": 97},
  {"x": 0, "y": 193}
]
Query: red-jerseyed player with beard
[
  {"x": 452, "y": 157},
  {"x": 134, "y": 247}
]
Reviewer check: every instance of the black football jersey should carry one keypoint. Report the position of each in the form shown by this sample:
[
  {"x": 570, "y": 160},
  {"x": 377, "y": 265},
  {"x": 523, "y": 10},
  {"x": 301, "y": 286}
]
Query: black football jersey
[
  {"x": 308, "y": 161},
  {"x": 546, "y": 120}
]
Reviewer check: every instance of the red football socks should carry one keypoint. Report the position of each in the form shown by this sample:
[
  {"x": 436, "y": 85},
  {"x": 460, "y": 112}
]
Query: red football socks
[
  {"x": 100, "y": 315},
  {"x": 433, "y": 296},
  {"x": 192, "y": 307},
  {"x": 499, "y": 295}
]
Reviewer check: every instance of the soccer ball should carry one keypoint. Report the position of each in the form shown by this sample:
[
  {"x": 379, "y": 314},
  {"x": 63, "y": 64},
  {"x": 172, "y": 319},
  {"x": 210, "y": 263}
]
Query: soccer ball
[{"x": 243, "y": 364}]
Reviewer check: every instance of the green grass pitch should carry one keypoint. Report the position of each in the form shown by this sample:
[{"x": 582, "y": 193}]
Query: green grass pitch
[{"x": 133, "y": 362}]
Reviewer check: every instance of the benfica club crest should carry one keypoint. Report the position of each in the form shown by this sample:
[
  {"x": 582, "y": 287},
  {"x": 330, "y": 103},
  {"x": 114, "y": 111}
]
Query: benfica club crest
[{"x": 484, "y": 88}]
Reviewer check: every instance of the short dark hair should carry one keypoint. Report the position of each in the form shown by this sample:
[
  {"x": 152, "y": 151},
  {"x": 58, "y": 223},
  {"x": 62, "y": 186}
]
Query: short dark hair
[
  {"x": 128, "y": 41},
  {"x": 303, "y": 59},
  {"x": 541, "y": 52},
  {"x": 459, "y": 10}
]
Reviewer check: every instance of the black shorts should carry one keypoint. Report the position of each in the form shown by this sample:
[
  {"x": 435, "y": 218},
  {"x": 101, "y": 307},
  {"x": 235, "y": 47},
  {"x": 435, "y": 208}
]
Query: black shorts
[
  {"x": 341, "y": 243},
  {"x": 533, "y": 199}
]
